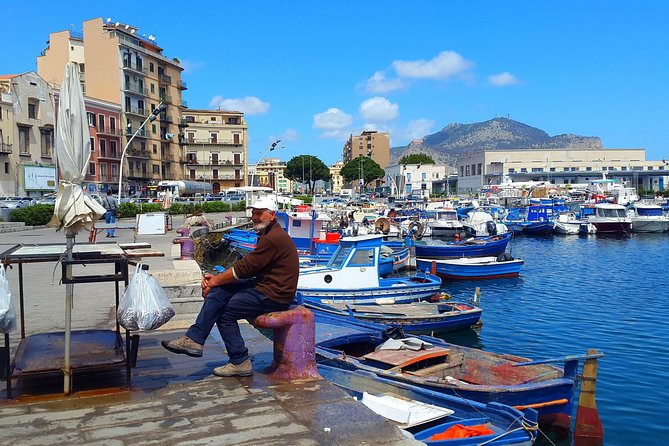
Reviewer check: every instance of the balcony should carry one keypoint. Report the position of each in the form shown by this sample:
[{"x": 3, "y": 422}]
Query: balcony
[
  {"x": 127, "y": 65},
  {"x": 184, "y": 104},
  {"x": 106, "y": 178},
  {"x": 138, "y": 174},
  {"x": 136, "y": 111},
  {"x": 142, "y": 134},
  {"x": 165, "y": 118},
  {"x": 217, "y": 141},
  {"x": 135, "y": 88},
  {"x": 5, "y": 148},
  {"x": 166, "y": 98},
  {"x": 164, "y": 78},
  {"x": 182, "y": 85},
  {"x": 109, "y": 155},
  {"x": 107, "y": 131},
  {"x": 136, "y": 152}
]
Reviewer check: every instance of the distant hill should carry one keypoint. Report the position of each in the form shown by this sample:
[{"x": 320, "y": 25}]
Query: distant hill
[{"x": 498, "y": 133}]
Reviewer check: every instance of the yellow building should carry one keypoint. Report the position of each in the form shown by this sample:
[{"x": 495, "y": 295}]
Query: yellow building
[
  {"x": 269, "y": 173},
  {"x": 337, "y": 182},
  {"x": 372, "y": 144},
  {"x": 216, "y": 144},
  {"x": 121, "y": 67}
]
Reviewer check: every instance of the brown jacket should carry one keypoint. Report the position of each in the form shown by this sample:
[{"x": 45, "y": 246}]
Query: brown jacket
[{"x": 274, "y": 264}]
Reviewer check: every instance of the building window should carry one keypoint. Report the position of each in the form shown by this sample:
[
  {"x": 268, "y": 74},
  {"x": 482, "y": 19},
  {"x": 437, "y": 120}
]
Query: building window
[
  {"x": 467, "y": 170},
  {"x": 92, "y": 145},
  {"x": 47, "y": 142},
  {"x": 575, "y": 169},
  {"x": 479, "y": 167},
  {"x": 6, "y": 167},
  {"x": 156, "y": 168},
  {"x": 24, "y": 140},
  {"x": 153, "y": 129},
  {"x": 151, "y": 67},
  {"x": 566, "y": 169},
  {"x": 552, "y": 169},
  {"x": 462, "y": 171},
  {"x": 153, "y": 88},
  {"x": 512, "y": 170},
  {"x": 523, "y": 169},
  {"x": 112, "y": 124},
  {"x": 103, "y": 147},
  {"x": 91, "y": 118},
  {"x": 114, "y": 170},
  {"x": 623, "y": 168},
  {"x": 588, "y": 169},
  {"x": 650, "y": 167},
  {"x": 537, "y": 169},
  {"x": 101, "y": 123},
  {"x": 214, "y": 174},
  {"x": 423, "y": 176},
  {"x": 191, "y": 174},
  {"x": 112, "y": 149},
  {"x": 103, "y": 171},
  {"x": 32, "y": 111},
  {"x": 155, "y": 148},
  {"x": 91, "y": 169}
]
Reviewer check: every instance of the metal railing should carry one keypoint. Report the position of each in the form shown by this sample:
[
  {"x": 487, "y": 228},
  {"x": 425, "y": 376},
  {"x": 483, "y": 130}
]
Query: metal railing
[
  {"x": 129, "y": 86},
  {"x": 5, "y": 148},
  {"x": 165, "y": 78},
  {"x": 136, "y": 111},
  {"x": 108, "y": 131},
  {"x": 225, "y": 142},
  {"x": 134, "y": 67},
  {"x": 166, "y": 98},
  {"x": 142, "y": 134},
  {"x": 109, "y": 155},
  {"x": 182, "y": 85}
]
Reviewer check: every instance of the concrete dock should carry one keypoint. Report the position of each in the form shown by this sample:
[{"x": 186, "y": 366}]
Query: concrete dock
[{"x": 174, "y": 399}]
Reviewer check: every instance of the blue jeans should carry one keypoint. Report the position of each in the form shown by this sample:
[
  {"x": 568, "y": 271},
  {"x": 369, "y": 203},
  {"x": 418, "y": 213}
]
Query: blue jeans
[
  {"x": 225, "y": 305},
  {"x": 110, "y": 217}
]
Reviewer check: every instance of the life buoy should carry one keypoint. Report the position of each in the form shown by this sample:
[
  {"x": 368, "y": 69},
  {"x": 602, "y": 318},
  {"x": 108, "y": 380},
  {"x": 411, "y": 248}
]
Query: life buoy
[
  {"x": 487, "y": 195},
  {"x": 382, "y": 225},
  {"x": 417, "y": 229}
]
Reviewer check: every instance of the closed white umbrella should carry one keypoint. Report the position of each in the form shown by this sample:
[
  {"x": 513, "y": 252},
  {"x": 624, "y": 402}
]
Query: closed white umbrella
[{"x": 75, "y": 209}]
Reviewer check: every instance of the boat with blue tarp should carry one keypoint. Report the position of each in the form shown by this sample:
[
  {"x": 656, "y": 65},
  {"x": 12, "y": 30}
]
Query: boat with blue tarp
[
  {"x": 472, "y": 247},
  {"x": 472, "y": 268}
]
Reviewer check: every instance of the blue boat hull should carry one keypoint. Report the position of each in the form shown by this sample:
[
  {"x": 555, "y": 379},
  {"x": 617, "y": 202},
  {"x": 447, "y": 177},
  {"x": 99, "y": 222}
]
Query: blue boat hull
[
  {"x": 478, "y": 247},
  {"x": 516, "y": 426},
  {"x": 539, "y": 228},
  {"x": 455, "y": 271}
]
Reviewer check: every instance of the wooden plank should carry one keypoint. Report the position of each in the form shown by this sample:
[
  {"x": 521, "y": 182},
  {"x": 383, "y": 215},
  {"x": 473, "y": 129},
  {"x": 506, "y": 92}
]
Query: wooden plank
[
  {"x": 144, "y": 252},
  {"x": 138, "y": 245},
  {"x": 404, "y": 358}
]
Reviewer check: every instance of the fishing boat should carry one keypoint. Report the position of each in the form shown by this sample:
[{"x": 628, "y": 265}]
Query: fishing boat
[
  {"x": 567, "y": 223},
  {"x": 434, "y": 364},
  {"x": 480, "y": 223},
  {"x": 648, "y": 217},
  {"x": 472, "y": 268},
  {"x": 426, "y": 414},
  {"x": 539, "y": 220},
  {"x": 610, "y": 218},
  {"x": 471, "y": 247},
  {"x": 414, "y": 317},
  {"x": 352, "y": 276},
  {"x": 444, "y": 222}
]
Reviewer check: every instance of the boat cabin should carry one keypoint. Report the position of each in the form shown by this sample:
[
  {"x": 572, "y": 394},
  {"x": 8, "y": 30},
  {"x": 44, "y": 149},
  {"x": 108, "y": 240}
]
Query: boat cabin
[{"x": 303, "y": 225}]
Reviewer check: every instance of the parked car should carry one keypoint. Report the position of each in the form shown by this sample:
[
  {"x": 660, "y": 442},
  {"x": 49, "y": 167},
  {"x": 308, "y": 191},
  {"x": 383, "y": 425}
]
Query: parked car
[
  {"x": 47, "y": 199},
  {"x": 17, "y": 202}
]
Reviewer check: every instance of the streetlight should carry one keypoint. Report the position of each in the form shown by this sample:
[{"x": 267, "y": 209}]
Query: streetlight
[
  {"x": 152, "y": 117},
  {"x": 269, "y": 149}
]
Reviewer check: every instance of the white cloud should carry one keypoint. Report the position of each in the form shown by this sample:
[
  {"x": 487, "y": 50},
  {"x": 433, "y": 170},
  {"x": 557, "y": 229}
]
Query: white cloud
[
  {"x": 378, "y": 109},
  {"x": 289, "y": 135},
  {"x": 249, "y": 105},
  {"x": 379, "y": 84},
  {"x": 419, "y": 128},
  {"x": 332, "y": 119},
  {"x": 445, "y": 65},
  {"x": 191, "y": 66},
  {"x": 502, "y": 79}
]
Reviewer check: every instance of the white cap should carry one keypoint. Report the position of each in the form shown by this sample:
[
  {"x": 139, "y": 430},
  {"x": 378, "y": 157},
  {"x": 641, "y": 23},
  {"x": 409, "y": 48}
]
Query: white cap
[{"x": 264, "y": 203}]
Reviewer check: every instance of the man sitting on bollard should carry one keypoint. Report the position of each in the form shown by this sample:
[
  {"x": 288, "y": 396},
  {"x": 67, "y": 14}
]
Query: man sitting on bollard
[{"x": 265, "y": 280}]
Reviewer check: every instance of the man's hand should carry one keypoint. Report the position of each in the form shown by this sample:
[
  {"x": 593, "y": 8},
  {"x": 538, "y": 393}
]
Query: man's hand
[{"x": 206, "y": 284}]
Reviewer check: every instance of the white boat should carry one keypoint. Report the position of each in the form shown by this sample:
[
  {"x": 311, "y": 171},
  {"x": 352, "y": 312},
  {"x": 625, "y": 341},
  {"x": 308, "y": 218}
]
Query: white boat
[
  {"x": 481, "y": 224},
  {"x": 648, "y": 217},
  {"x": 610, "y": 218},
  {"x": 445, "y": 223},
  {"x": 567, "y": 223},
  {"x": 352, "y": 276}
]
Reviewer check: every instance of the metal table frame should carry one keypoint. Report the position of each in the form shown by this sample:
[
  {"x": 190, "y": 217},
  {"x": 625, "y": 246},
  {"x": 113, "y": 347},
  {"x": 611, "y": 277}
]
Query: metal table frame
[{"x": 120, "y": 274}]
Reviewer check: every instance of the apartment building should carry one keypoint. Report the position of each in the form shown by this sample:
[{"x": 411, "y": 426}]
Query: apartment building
[
  {"x": 269, "y": 173},
  {"x": 216, "y": 147},
  {"x": 27, "y": 122},
  {"x": 560, "y": 166},
  {"x": 104, "y": 121},
  {"x": 337, "y": 182},
  {"x": 119, "y": 65},
  {"x": 416, "y": 179},
  {"x": 372, "y": 144}
]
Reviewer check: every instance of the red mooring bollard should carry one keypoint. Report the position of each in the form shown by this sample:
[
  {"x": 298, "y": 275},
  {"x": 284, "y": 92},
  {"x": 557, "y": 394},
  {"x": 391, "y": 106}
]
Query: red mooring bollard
[{"x": 294, "y": 344}]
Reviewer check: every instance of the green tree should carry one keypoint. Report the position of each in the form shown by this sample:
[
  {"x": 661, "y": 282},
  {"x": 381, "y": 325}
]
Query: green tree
[
  {"x": 307, "y": 169},
  {"x": 364, "y": 167},
  {"x": 416, "y": 158}
]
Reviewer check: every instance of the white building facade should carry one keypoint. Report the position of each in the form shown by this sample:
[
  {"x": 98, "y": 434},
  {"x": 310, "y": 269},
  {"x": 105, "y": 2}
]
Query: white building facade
[{"x": 414, "y": 179}]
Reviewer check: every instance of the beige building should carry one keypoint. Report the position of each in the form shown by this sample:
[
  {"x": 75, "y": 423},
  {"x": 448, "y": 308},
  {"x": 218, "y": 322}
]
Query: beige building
[
  {"x": 27, "y": 122},
  {"x": 337, "y": 180},
  {"x": 269, "y": 173},
  {"x": 373, "y": 144},
  {"x": 216, "y": 145},
  {"x": 560, "y": 166},
  {"x": 121, "y": 67}
]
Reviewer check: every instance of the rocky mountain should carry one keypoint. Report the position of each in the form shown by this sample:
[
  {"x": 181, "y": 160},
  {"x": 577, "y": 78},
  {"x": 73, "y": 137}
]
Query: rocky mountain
[{"x": 498, "y": 133}]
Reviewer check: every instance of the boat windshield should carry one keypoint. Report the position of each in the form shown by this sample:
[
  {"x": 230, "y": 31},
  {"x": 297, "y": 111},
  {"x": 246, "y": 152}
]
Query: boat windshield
[
  {"x": 339, "y": 256},
  {"x": 611, "y": 213}
]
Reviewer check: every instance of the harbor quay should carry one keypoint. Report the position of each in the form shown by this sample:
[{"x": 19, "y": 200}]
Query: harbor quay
[{"x": 173, "y": 399}]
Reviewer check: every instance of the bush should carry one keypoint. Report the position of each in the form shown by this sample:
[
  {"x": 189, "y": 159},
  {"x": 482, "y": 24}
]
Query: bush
[
  {"x": 37, "y": 215},
  {"x": 126, "y": 210}
]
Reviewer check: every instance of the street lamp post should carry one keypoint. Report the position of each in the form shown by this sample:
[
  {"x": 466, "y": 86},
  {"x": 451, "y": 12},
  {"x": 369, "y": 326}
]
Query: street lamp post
[
  {"x": 269, "y": 149},
  {"x": 152, "y": 117}
]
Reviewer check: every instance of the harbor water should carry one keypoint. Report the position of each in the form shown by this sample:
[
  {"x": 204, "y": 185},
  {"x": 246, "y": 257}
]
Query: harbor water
[{"x": 576, "y": 293}]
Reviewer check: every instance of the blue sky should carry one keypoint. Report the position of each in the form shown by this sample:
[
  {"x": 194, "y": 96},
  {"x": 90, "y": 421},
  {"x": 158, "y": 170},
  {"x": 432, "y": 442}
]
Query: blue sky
[{"x": 312, "y": 72}]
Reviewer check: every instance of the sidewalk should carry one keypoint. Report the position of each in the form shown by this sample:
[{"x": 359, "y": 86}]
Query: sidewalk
[{"x": 174, "y": 398}]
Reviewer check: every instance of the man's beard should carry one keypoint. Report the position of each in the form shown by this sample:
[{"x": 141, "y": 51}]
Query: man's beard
[{"x": 260, "y": 226}]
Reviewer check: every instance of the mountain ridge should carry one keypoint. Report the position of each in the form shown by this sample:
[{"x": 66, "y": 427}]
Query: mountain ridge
[{"x": 456, "y": 139}]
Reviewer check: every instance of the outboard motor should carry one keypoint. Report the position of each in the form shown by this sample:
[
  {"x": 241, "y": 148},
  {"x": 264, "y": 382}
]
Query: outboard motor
[{"x": 491, "y": 227}]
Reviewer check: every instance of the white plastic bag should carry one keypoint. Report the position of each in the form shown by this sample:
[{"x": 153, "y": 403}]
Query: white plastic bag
[
  {"x": 144, "y": 304},
  {"x": 7, "y": 313}
]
